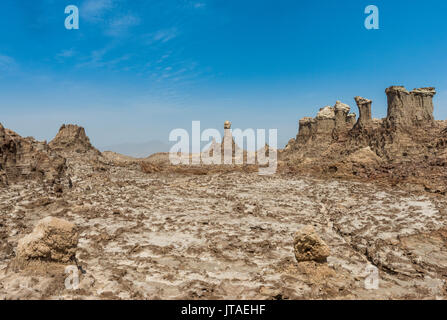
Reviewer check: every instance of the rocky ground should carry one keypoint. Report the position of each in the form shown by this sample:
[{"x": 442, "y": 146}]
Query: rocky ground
[
  {"x": 226, "y": 236},
  {"x": 356, "y": 210}
]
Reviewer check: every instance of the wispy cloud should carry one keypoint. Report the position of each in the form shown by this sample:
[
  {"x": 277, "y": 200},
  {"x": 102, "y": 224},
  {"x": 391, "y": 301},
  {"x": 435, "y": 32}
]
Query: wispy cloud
[
  {"x": 94, "y": 10},
  {"x": 7, "y": 63},
  {"x": 163, "y": 35},
  {"x": 199, "y": 5},
  {"x": 68, "y": 53},
  {"x": 121, "y": 25},
  {"x": 98, "y": 59}
]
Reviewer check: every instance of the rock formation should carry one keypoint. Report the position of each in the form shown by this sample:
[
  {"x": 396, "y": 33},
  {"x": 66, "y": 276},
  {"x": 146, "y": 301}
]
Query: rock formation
[
  {"x": 342, "y": 122},
  {"x": 52, "y": 240},
  {"x": 72, "y": 138},
  {"x": 316, "y": 134},
  {"x": 365, "y": 117},
  {"x": 407, "y": 145},
  {"x": 227, "y": 147},
  {"x": 409, "y": 109},
  {"x": 308, "y": 246},
  {"x": 25, "y": 158}
]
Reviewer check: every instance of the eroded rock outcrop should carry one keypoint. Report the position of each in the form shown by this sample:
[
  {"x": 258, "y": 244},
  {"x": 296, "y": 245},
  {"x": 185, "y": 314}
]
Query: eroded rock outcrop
[
  {"x": 408, "y": 145},
  {"x": 410, "y": 109},
  {"x": 364, "y": 106},
  {"x": 72, "y": 138},
  {"x": 342, "y": 122},
  {"x": 329, "y": 125},
  {"x": 26, "y": 158}
]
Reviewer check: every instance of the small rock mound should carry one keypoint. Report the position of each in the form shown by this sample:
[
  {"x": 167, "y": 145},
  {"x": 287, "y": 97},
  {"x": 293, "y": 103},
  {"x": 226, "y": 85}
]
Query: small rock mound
[
  {"x": 52, "y": 240},
  {"x": 308, "y": 246},
  {"x": 72, "y": 138}
]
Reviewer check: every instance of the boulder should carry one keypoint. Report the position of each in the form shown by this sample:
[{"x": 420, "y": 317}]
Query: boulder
[
  {"x": 308, "y": 246},
  {"x": 52, "y": 240}
]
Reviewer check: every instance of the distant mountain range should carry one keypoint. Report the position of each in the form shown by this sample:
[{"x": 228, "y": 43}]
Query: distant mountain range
[{"x": 138, "y": 150}]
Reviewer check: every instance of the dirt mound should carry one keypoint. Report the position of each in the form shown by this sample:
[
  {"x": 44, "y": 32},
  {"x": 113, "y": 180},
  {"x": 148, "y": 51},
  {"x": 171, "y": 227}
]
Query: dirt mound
[{"x": 25, "y": 158}]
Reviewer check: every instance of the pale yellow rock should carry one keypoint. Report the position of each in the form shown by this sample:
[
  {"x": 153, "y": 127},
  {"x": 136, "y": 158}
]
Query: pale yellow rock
[{"x": 52, "y": 239}]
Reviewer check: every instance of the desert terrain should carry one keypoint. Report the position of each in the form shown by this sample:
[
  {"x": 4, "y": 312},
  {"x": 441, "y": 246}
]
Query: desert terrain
[{"x": 372, "y": 192}]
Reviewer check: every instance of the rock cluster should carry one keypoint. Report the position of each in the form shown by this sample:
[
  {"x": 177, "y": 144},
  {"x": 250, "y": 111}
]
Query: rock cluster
[
  {"x": 408, "y": 145},
  {"x": 52, "y": 240},
  {"x": 323, "y": 125}
]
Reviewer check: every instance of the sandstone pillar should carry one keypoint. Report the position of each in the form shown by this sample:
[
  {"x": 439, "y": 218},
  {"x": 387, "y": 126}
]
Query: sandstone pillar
[
  {"x": 409, "y": 109},
  {"x": 364, "y": 106}
]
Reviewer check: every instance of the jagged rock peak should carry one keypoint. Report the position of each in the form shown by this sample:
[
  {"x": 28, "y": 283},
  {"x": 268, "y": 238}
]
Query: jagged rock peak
[
  {"x": 71, "y": 137},
  {"x": 25, "y": 158}
]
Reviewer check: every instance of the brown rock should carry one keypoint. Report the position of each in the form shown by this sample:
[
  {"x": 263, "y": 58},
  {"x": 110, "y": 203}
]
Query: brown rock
[
  {"x": 364, "y": 106},
  {"x": 364, "y": 156},
  {"x": 341, "y": 115},
  {"x": 25, "y": 158},
  {"x": 309, "y": 246},
  {"x": 52, "y": 239},
  {"x": 409, "y": 109},
  {"x": 72, "y": 138}
]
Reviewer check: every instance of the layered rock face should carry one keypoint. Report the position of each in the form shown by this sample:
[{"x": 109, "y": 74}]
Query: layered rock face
[
  {"x": 407, "y": 144},
  {"x": 364, "y": 106},
  {"x": 410, "y": 109},
  {"x": 330, "y": 124},
  {"x": 25, "y": 158},
  {"x": 72, "y": 138}
]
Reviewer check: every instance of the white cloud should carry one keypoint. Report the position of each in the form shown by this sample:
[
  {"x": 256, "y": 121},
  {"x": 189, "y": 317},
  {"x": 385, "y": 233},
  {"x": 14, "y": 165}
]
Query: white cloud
[
  {"x": 162, "y": 36},
  {"x": 94, "y": 10},
  {"x": 120, "y": 25},
  {"x": 66, "y": 53}
]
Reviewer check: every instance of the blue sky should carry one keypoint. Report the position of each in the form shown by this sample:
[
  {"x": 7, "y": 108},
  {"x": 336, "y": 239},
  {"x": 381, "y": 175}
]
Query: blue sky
[{"x": 137, "y": 69}]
